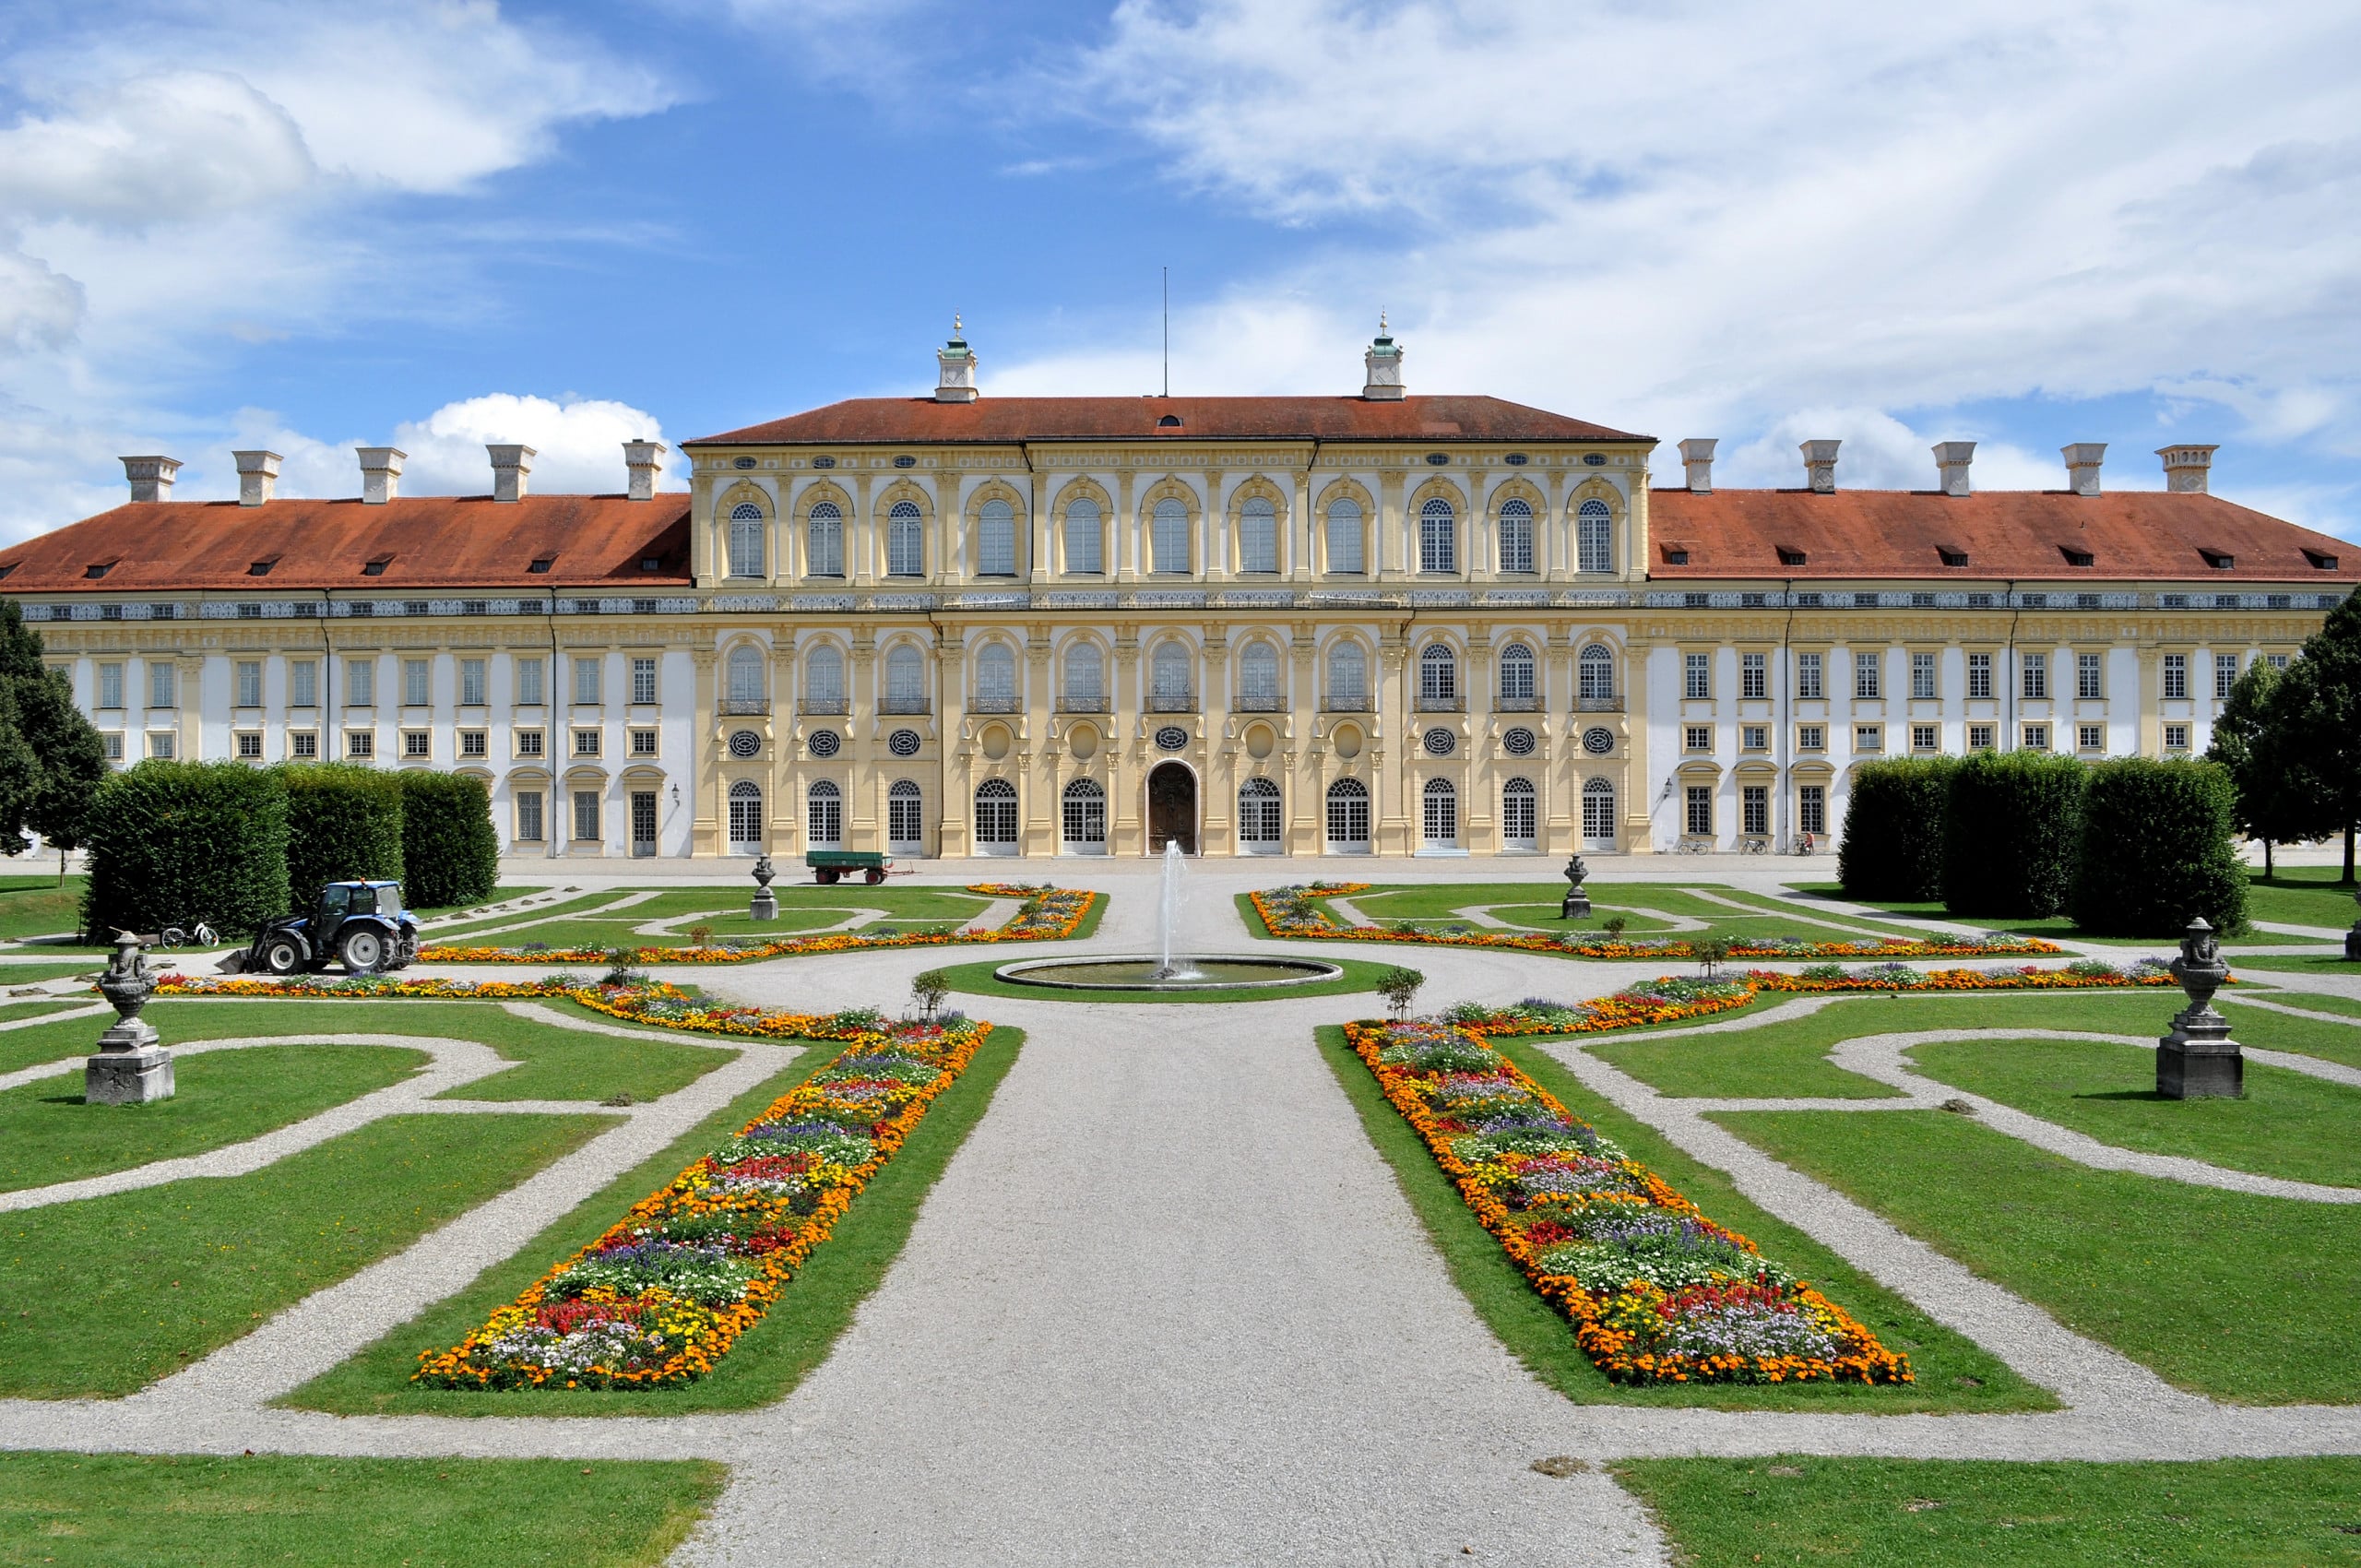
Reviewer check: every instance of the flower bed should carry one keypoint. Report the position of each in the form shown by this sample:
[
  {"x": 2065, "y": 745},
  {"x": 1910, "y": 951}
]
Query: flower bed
[
  {"x": 1290, "y": 911},
  {"x": 1047, "y": 914},
  {"x": 665, "y": 1292},
  {"x": 1656, "y": 1291}
]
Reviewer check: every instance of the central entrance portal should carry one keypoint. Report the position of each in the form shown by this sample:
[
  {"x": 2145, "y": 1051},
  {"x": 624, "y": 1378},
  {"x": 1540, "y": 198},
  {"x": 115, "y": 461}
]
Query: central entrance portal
[{"x": 1171, "y": 809}]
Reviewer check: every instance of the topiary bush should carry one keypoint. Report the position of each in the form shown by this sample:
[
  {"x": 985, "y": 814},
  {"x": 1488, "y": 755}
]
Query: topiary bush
[
  {"x": 1892, "y": 849},
  {"x": 2012, "y": 833},
  {"x": 450, "y": 851},
  {"x": 2159, "y": 843},
  {"x": 172, "y": 842},
  {"x": 343, "y": 821}
]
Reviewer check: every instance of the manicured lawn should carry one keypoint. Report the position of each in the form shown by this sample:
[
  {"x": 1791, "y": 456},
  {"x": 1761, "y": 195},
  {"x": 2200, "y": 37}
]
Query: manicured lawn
[
  {"x": 2303, "y": 896},
  {"x": 2058, "y": 928},
  {"x": 1735, "y": 1065},
  {"x": 977, "y": 980},
  {"x": 105, "y": 1511},
  {"x": 771, "y": 1359},
  {"x": 2319, "y": 1001},
  {"x": 48, "y": 1135},
  {"x": 1953, "y": 1513},
  {"x": 2248, "y": 1299},
  {"x": 1534, "y": 906},
  {"x": 2286, "y": 1124},
  {"x": 801, "y": 909},
  {"x": 169, "y": 1273},
  {"x": 499, "y": 896},
  {"x": 38, "y": 906},
  {"x": 2327, "y": 961},
  {"x": 1952, "y": 1372}
]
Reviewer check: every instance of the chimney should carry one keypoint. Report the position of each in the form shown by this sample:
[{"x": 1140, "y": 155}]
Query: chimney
[
  {"x": 509, "y": 467},
  {"x": 257, "y": 477},
  {"x": 644, "y": 460},
  {"x": 2185, "y": 468},
  {"x": 1697, "y": 457},
  {"x": 1385, "y": 362},
  {"x": 955, "y": 381},
  {"x": 151, "y": 478},
  {"x": 2082, "y": 460},
  {"x": 1951, "y": 460},
  {"x": 1820, "y": 465},
  {"x": 381, "y": 473}
]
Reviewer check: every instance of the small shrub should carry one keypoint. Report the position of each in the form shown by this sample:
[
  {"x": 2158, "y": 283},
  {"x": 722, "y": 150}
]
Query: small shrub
[
  {"x": 2011, "y": 834},
  {"x": 344, "y": 823},
  {"x": 929, "y": 987},
  {"x": 2158, "y": 845},
  {"x": 700, "y": 935},
  {"x": 1399, "y": 986},
  {"x": 1615, "y": 925},
  {"x": 172, "y": 842},
  {"x": 1710, "y": 951},
  {"x": 1892, "y": 849},
  {"x": 450, "y": 851}
]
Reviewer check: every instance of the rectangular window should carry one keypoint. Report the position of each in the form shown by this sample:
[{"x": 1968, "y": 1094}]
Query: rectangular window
[
  {"x": 1980, "y": 737},
  {"x": 643, "y": 743},
  {"x": 1701, "y": 811},
  {"x": 1868, "y": 737},
  {"x": 2276, "y": 660},
  {"x": 2225, "y": 674},
  {"x": 1922, "y": 674},
  {"x": 417, "y": 745},
  {"x": 585, "y": 743},
  {"x": 2035, "y": 667},
  {"x": 586, "y": 816},
  {"x": 304, "y": 745},
  {"x": 643, "y": 681},
  {"x": 1865, "y": 676},
  {"x": 1699, "y": 673},
  {"x": 2175, "y": 737},
  {"x": 159, "y": 744},
  {"x": 1810, "y": 738},
  {"x": 1980, "y": 674},
  {"x": 1753, "y": 676},
  {"x": 361, "y": 683},
  {"x": 249, "y": 745},
  {"x": 2091, "y": 737},
  {"x": 528, "y": 816},
  {"x": 529, "y": 743},
  {"x": 1811, "y": 809},
  {"x": 418, "y": 689},
  {"x": 114, "y": 745},
  {"x": 2036, "y": 737},
  {"x": 585, "y": 679},
  {"x": 2089, "y": 670},
  {"x": 474, "y": 743},
  {"x": 163, "y": 684},
  {"x": 1754, "y": 809},
  {"x": 110, "y": 685},
  {"x": 303, "y": 682},
  {"x": 2175, "y": 675},
  {"x": 472, "y": 682},
  {"x": 249, "y": 681},
  {"x": 360, "y": 745},
  {"x": 1700, "y": 737},
  {"x": 1926, "y": 737},
  {"x": 1754, "y": 737},
  {"x": 528, "y": 682},
  {"x": 1807, "y": 675}
]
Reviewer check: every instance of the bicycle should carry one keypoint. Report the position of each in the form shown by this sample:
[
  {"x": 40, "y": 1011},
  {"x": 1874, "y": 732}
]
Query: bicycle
[
  {"x": 195, "y": 934},
  {"x": 1754, "y": 845}
]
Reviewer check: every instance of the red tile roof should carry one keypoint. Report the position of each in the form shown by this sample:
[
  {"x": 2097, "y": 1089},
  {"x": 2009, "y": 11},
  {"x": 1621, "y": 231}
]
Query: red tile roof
[
  {"x": 912, "y": 420},
  {"x": 2145, "y": 535},
  {"x": 426, "y": 541}
]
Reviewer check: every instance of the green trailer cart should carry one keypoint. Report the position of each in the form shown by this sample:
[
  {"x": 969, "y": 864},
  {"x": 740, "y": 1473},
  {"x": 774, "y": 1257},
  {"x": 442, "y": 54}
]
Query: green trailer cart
[{"x": 830, "y": 866}]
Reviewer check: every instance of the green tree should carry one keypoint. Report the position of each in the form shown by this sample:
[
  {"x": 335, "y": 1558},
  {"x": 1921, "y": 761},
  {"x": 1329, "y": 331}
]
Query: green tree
[
  {"x": 69, "y": 760},
  {"x": 2318, "y": 712},
  {"x": 2275, "y": 803}
]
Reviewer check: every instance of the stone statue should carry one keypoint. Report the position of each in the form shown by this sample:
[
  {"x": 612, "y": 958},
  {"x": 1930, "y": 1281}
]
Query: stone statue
[
  {"x": 2199, "y": 1059},
  {"x": 1576, "y": 904},
  {"x": 131, "y": 1067},
  {"x": 766, "y": 904}
]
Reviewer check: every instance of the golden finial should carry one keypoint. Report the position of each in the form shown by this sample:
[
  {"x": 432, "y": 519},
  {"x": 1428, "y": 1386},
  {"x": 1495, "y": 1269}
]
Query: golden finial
[
  {"x": 955, "y": 328},
  {"x": 1381, "y": 322}
]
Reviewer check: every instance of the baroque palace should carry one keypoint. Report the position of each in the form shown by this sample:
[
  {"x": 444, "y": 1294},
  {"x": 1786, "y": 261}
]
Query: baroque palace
[{"x": 959, "y": 624}]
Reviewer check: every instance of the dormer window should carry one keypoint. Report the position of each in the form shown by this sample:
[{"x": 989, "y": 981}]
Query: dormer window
[
  {"x": 6, "y": 567},
  {"x": 1169, "y": 422},
  {"x": 261, "y": 568},
  {"x": 2220, "y": 561},
  {"x": 1952, "y": 557},
  {"x": 651, "y": 563},
  {"x": 1676, "y": 557},
  {"x": 376, "y": 568},
  {"x": 2320, "y": 562},
  {"x": 2074, "y": 557},
  {"x": 1791, "y": 556},
  {"x": 98, "y": 570},
  {"x": 541, "y": 564}
]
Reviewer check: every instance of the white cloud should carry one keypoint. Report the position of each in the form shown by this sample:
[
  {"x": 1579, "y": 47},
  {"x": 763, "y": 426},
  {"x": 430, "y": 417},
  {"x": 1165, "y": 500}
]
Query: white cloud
[
  {"x": 578, "y": 442},
  {"x": 153, "y": 147}
]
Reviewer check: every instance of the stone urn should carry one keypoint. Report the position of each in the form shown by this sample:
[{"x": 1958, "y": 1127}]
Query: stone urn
[
  {"x": 1576, "y": 904},
  {"x": 766, "y": 903},
  {"x": 2199, "y": 1060},
  {"x": 131, "y": 1067}
]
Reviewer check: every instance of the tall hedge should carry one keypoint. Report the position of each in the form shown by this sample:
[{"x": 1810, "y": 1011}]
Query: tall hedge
[
  {"x": 1892, "y": 849},
  {"x": 450, "y": 851},
  {"x": 2013, "y": 833},
  {"x": 172, "y": 842},
  {"x": 343, "y": 821},
  {"x": 2159, "y": 845}
]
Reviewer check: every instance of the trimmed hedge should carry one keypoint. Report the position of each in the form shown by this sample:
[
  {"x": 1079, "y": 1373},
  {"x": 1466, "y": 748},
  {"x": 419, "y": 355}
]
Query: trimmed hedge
[
  {"x": 1892, "y": 849},
  {"x": 2013, "y": 833},
  {"x": 450, "y": 850},
  {"x": 343, "y": 823},
  {"x": 172, "y": 842},
  {"x": 2159, "y": 843}
]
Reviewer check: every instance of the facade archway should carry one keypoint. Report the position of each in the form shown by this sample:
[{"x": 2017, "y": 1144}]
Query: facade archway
[
  {"x": 1348, "y": 817},
  {"x": 825, "y": 815},
  {"x": 1083, "y": 820},
  {"x": 1171, "y": 807},
  {"x": 1261, "y": 830},
  {"x": 996, "y": 818}
]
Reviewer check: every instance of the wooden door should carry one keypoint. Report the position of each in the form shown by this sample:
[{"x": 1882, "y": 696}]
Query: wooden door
[{"x": 1171, "y": 809}]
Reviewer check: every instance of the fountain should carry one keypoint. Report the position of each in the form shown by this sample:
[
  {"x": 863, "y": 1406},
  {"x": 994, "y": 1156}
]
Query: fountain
[{"x": 1166, "y": 969}]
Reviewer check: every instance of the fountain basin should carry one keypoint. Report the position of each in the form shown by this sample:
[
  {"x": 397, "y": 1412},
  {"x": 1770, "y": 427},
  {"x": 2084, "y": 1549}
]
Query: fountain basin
[{"x": 1140, "y": 971}]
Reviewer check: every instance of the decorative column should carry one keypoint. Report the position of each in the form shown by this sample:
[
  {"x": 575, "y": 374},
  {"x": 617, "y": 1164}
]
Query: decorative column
[
  {"x": 1302, "y": 755},
  {"x": 1478, "y": 823},
  {"x": 861, "y": 535},
  {"x": 1214, "y": 565},
  {"x": 1217, "y": 785},
  {"x": 1301, "y": 543},
  {"x": 1042, "y": 794},
  {"x": 1125, "y": 530},
  {"x": 1392, "y": 831},
  {"x": 1392, "y": 543},
  {"x": 862, "y": 830},
  {"x": 1639, "y": 837}
]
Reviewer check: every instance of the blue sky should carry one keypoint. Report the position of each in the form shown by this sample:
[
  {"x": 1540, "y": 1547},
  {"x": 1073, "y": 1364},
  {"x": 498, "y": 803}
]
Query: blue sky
[{"x": 308, "y": 225}]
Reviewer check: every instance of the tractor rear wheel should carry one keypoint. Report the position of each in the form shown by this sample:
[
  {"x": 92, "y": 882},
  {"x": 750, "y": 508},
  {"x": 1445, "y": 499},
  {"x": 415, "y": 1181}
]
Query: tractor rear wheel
[
  {"x": 281, "y": 955},
  {"x": 874, "y": 875},
  {"x": 363, "y": 952},
  {"x": 827, "y": 876}
]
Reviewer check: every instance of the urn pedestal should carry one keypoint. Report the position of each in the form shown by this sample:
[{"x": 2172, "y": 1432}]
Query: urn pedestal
[
  {"x": 131, "y": 1067},
  {"x": 2199, "y": 1060},
  {"x": 765, "y": 906},
  {"x": 1575, "y": 906}
]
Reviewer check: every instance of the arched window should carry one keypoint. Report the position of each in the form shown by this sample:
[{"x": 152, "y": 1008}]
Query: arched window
[
  {"x": 1516, "y": 535},
  {"x": 1258, "y": 678},
  {"x": 746, "y": 673},
  {"x": 1597, "y": 666},
  {"x": 1516, "y": 677},
  {"x": 1438, "y": 677},
  {"x": 1258, "y": 813},
  {"x": 1598, "y": 815},
  {"x": 1349, "y": 816},
  {"x": 824, "y": 679},
  {"x": 1085, "y": 551},
  {"x": 1520, "y": 815},
  {"x": 996, "y": 540},
  {"x": 746, "y": 523},
  {"x": 824, "y": 815},
  {"x": 905, "y": 679},
  {"x": 1168, "y": 678},
  {"x": 904, "y": 817},
  {"x": 996, "y": 678},
  {"x": 1086, "y": 678},
  {"x": 1169, "y": 536},
  {"x": 1348, "y": 677},
  {"x": 1345, "y": 552},
  {"x": 1594, "y": 536},
  {"x": 824, "y": 540},
  {"x": 996, "y": 814},
  {"x": 1438, "y": 536},
  {"x": 1258, "y": 535},
  {"x": 1441, "y": 818},
  {"x": 1084, "y": 813},
  {"x": 745, "y": 817},
  {"x": 905, "y": 540}
]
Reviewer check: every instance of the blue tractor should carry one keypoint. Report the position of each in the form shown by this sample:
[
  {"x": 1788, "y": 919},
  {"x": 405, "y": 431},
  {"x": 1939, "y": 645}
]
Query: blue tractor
[{"x": 358, "y": 924}]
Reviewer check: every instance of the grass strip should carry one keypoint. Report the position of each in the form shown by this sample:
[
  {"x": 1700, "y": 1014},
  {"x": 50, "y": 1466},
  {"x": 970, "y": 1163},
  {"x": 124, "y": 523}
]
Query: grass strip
[
  {"x": 1739, "y": 1066},
  {"x": 186, "y": 1511},
  {"x": 978, "y": 980},
  {"x": 2327, "y": 961},
  {"x": 176, "y": 1272}
]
